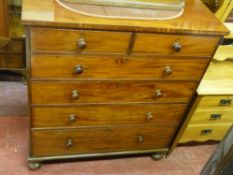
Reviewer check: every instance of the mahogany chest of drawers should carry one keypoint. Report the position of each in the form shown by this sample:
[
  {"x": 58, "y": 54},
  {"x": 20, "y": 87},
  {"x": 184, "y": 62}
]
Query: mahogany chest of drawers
[{"x": 105, "y": 87}]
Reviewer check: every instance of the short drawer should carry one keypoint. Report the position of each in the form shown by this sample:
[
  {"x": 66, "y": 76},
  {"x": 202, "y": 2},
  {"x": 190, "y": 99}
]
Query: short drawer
[
  {"x": 103, "y": 115},
  {"x": 102, "y": 67},
  {"x": 59, "y": 40},
  {"x": 14, "y": 47},
  {"x": 181, "y": 45},
  {"x": 12, "y": 61},
  {"x": 71, "y": 92},
  {"x": 202, "y": 133},
  {"x": 212, "y": 116},
  {"x": 100, "y": 140},
  {"x": 222, "y": 102}
]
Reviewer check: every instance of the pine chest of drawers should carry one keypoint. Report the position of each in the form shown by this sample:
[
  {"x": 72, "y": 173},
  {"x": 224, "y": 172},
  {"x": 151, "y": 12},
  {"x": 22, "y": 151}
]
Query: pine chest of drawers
[
  {"x": 105, "y": 87},
  {"x": 212, "y": 112}
]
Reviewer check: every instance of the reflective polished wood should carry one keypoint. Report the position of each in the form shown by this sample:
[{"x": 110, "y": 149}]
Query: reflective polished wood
[{"x": 126, "y": 85}]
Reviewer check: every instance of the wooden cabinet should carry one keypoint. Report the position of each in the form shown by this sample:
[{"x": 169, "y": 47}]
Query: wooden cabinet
[
  {"x": 4, "y": 27},
  {"x": 104, "y": 87},
  {"x": 13, "y": 53},
  {"x": 213, "y": 111}
]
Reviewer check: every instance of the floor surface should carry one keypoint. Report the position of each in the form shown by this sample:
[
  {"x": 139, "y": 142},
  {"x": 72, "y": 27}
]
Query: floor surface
[
  {"x": 13, "y": 98},
  {"x": 188, "y": 160}
]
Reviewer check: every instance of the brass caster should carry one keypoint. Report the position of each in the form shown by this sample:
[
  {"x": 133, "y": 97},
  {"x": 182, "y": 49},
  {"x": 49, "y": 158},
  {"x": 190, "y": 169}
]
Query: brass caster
[
  {"x": 34, "y": 165},
  {"x": 157, "y": 156}
]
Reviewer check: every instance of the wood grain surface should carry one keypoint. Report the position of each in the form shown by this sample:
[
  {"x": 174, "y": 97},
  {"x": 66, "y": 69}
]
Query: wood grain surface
[
  {"x": 119, "y": 67},
  {"x": 60, "y": 92},
  {"x": 53, "y": 142},
  {"x": 218, "y": 79},
  {"x": 162, "y": 44},
  {"x": 58, "y": 40},
  {"x": 197, "y": 19},
  {"x": 14, "y": 46},
  {"x": 194, "y": 132},
  {"x": 4, "y": 27},
  {"x": 12, "y": 61},
  {"x": 104, "y": 115},
  {"x": 203, "y": 115},
  {"x": 214, "y": 101}
]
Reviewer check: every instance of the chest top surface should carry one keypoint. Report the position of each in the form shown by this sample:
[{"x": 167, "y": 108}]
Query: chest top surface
[{"x": 197, "y": 19}]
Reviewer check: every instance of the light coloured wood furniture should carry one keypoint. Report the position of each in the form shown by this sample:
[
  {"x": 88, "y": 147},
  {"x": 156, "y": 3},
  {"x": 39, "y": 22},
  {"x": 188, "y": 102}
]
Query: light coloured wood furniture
[
  {"x": 4, "y": 27},
  {"x": 108, "y": 87},
  {"x": 212, "y": 115}
]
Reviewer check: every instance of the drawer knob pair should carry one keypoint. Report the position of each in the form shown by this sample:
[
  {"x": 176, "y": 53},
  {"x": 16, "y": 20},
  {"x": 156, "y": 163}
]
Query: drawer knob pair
[
  {"x": 72, "y": 118},
  {"x": 78, "y": 69},
  {"x": 75, "y": 94},
  {"x": 177, "y": 46},
  {"x": 82, "y": 44},
  {"x": 149, "y": 116},
  {"x": 69, "y": 143}
]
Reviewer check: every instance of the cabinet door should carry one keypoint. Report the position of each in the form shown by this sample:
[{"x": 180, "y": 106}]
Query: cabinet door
[{"x": 4, "y": 27}]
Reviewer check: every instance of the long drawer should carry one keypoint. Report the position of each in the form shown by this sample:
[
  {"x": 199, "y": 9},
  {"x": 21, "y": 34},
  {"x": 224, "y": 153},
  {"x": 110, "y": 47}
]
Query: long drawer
[
  {"x": 76, "y": 41},
  {"x": 178, "y": 45},
  {"x": 71, "y": 92},
  {"x": 103, "y": 115},
  {"x": 78, "y": 141},
  {"x": 102, "y": 67},
  {"x": 205, "y": 132}
]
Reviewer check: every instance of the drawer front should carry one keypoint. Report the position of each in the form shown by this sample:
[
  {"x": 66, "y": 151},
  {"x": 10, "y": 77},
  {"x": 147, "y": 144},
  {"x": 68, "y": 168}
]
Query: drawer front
[
  {"x": 181, "y": 45},
  {"x": 12, "y": 61},
  {"x": 78, "y": 41},
  {"x": 100, "y": 67},
  {"x": 14, "y": 46},
  {"x": 58, "y": 92},
  {"x": 212, "y": 116},
  {"x": 222, "y": 102},
  {"x": 80, "y": 141},
  {"x": 205, "y": 132},
  {"x": 103, "y": 115}
]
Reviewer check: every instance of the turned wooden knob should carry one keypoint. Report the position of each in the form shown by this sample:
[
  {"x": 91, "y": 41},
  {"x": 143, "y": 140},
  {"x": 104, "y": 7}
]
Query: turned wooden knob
[
  {"x": 158, "y": 93},
  {"x": 78, "y": 69},
  {"x": 69, "y": 143},
  {"x": 177, "y": 46},
  {"x": 149, "y": 116},
  {"x": 82, "y": 44},
  {"x": 75, "y": 94},
  {"x": 140, "y": 139},
  {"x": 72, "y": 118},
  {"x": 167, "y": 70}
]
